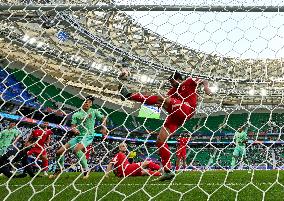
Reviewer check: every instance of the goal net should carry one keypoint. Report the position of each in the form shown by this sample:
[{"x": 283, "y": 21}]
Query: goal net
[{"x": 150, "y": 100}]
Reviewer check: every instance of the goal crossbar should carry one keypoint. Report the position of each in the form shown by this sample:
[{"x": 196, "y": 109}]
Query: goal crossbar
[{"x": 144, "y": 8}]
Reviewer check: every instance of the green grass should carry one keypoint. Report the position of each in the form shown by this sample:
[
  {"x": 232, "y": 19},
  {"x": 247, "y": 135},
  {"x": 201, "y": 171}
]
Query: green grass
[{"x": 195, "y": 186}]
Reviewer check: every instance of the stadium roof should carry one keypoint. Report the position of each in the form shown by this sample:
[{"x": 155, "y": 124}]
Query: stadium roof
[{"x": 98, "y": 41}]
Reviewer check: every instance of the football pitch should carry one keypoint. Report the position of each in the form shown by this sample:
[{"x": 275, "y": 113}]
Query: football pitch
[{"x": 195, "y": 185}]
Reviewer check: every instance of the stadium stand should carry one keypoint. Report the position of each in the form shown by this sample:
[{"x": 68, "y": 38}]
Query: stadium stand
[{"x": 15, "y": 91}]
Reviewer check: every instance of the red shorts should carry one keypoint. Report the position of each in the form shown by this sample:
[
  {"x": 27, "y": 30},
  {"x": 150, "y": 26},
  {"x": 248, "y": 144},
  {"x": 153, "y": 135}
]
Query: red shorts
[
  {"x": 181, "y": 153},
  {"x": 178, "y": 113},
  {"x": 37, "y": 151},
  {"x": 133, "y": 169}
]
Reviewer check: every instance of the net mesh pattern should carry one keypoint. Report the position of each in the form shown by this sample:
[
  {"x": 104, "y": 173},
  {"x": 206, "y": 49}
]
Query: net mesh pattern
[{"x": 56, "y": 53}]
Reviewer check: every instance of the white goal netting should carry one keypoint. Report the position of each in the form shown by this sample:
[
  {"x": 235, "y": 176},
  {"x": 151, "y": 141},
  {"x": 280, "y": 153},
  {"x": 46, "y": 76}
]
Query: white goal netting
[{"x": 86, "y": 112}]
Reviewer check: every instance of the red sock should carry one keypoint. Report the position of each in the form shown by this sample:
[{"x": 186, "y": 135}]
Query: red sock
[
  {"x": 149, "y": 100},
  {"x": 177, "y": 167},
  {"x": 154, "y": 173},
  {"x": 45, "y": 164},
  {"x": 153, "y": 166},
  {"x": 165, "y": 154}
]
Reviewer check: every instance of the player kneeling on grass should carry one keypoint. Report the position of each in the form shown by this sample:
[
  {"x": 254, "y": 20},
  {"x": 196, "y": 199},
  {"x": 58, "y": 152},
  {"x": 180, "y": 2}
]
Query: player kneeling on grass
[
  {"x": 122, "y": 168},
  {"x": 83, "y": 125}
]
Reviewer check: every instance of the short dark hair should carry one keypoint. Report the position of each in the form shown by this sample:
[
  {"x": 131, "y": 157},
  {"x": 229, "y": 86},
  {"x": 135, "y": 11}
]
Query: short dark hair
[
  {"x": 176, "y": 76},
  {"x": 90, "y": 98}
]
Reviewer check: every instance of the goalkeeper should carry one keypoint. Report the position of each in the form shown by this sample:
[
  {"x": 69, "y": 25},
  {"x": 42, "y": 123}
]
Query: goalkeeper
[{"x": 241, "y": 139}]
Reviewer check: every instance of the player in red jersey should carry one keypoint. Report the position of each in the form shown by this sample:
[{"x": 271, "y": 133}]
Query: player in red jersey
[
  {"x": 122, "y": 168},
  {"x": 89, "y": 149},
  {"x": 181, "y": 152},
  {"x": 38, "y": 140},
  {"x": 180, "y": 103}
]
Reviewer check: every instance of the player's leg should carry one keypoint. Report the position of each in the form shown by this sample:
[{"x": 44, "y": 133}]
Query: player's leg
[
  {"x": 184, "y": 163},
  {"x": 150, "y": 165},
  {"x": 244, "y": 158},
  {"x": 234, "y": 158},
  {"x": 138, "y": 97},
  {"x": 60, "y": 155},
  {"x": 60, "y": 159},
  {"x": 177, "y": 162},
  {"x": 44, "y": 160},
  {"x": 179, "y": 113},
  {"x": 79, "y": 151},
  {"x": 164, "y": 150},
  {"x": 133, "y": 169},
  {"x": 5, "y": 166},
  {"x": 247, "y": 161},
  {"x": 16, "y": 156},
  {"x": 23, "y": 157},
  {"x": 60, "y": 152},
  {"x": 34, "y": 151},
  {"x": 150, "y": 173}
]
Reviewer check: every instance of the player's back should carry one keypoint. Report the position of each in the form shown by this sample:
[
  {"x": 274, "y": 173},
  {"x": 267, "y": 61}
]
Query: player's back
[
  {"x": 186, "y": 92},
  {"x": 243, "y": 137},
  {"x": 7, "y": 136},
  {"x": 182, "y": 142},
  {"x": 119, "y": 161},
  {"x": 240, "y": 137},
  {"x": 39, "y": 136}
]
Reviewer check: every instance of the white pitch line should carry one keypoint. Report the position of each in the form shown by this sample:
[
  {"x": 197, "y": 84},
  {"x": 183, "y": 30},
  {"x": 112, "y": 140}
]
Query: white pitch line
[{"x": 164, "y": 184}]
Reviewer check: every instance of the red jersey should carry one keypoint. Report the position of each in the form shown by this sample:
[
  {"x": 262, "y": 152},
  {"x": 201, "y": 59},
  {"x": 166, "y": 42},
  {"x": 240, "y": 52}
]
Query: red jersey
[
  {"x": 182, "y": 142},
  {"x": 88, "y": 151},
  {"x": 40, "y": 136},
  {"x": 186, "y": 92},
  {"x": 120, "y": 160}
]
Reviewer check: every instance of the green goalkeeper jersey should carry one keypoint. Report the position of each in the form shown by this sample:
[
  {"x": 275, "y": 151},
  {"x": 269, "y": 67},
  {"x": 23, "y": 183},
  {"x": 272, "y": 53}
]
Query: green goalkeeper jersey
[
  {"x": 7, "y": 136},
  {"x": 241, "y": 137},
  {"x": 85, "y": 121}
]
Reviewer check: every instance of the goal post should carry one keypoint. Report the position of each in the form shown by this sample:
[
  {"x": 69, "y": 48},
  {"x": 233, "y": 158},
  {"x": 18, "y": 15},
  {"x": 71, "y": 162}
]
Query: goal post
[{"x": 124, "y": 8}]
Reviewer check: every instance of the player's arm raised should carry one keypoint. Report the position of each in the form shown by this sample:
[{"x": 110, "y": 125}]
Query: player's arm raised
[
  {"x": 104, "y": 129},
  {"x": 205, "y": 84},
  {"x": 207, "y": 90}
]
